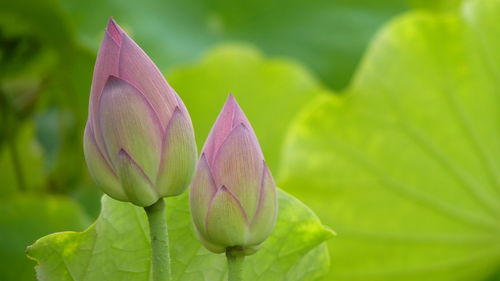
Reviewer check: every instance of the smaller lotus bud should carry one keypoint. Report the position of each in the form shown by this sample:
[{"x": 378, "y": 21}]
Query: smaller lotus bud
[
  {"x": 139, "y": 141},
  {"x": 233, "y": 194}
]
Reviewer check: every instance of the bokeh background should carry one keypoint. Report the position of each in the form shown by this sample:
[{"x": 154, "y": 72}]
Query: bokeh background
[{"x": 381, "y": 115}]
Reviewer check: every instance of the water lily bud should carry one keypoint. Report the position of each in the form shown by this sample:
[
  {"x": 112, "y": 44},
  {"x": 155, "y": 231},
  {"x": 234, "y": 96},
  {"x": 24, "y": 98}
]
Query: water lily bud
[
  {"x": 139, "y": 141},
  {"x": 233, "y": 194}
]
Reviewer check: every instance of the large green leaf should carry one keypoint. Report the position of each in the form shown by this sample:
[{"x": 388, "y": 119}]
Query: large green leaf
[
  {"x": 270, "y": 91},
  {"x": 116, "y": 247},
  {"x": 405, "y": 166},
  {"x": 23, "y": 219},
  {"x": 327, "y": 36}
]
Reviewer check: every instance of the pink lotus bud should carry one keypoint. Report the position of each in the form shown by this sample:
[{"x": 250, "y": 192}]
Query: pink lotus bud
[
  {"x": 139, "y": 141},
  {"x": 233, "y": 194}
]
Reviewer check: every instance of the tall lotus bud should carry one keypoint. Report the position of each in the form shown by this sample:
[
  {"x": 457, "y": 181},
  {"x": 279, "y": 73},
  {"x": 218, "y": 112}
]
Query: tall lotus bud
[
  {"x": 139, "y": 142},
  {"x": 233, "y": 194}
]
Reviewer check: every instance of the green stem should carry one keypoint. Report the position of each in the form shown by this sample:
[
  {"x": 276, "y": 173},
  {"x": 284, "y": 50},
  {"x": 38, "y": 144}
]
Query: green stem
[
  {"x": 18, "y": 170},
  {"x": 159, "y": 241},
  {"x": 8, "y": 122},
  {"x": 234, "y": 266}
]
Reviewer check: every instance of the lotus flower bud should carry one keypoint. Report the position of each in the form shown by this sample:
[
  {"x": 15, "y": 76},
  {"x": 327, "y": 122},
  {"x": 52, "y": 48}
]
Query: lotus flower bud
[
  {"x": 233, "y": 194},
  {"x": 139, "y": 141}
]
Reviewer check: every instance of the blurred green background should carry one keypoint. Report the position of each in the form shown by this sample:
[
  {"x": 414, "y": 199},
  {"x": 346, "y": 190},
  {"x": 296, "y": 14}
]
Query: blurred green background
[{"x": 381, "y": 115}]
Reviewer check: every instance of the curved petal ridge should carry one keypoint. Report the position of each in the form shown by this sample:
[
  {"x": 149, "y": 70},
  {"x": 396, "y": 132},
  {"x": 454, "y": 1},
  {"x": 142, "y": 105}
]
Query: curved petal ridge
[
  {"x": 202, "y": 192},
  {"x": 178, "y": 156},
  {"x": 238, "y": 165},
  {"x": 136, "y": 67},
  {"x": 136, "y": 183},
  {"x": 127, "y": 121},
  {"x": 226, "y": 222}
]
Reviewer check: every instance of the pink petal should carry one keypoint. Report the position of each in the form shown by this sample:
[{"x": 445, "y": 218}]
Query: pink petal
[
  {"x": 114, "y": 31},
  {"x": 238, "y": 165},
  {"x": 226, "y": 221},
  {"x": 262, "y": 224},
  {"x": 127, "y": 121},
  {"x": 230, "y": 116},
  {"x": 135, "y": 182},
  {"x": 179, "y": 155},
  {"x": 99, "y": 168},
  {"x": 201, "y": 192},
  {"x": 106, "y": 65},
  {"x": 137, "y": 68}
]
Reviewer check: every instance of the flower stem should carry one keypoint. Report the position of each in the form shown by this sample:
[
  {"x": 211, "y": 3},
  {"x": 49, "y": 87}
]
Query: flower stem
[
  {"x": 235, "y": 266},
  {"x": 16, "y": 163},
  {"x": 159, "y": 241}
]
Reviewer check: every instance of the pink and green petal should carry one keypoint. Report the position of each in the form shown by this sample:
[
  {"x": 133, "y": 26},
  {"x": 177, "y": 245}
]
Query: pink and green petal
[
  {"x": 226, "y": 221},
  {"x": 221, "y": 129},
  {"x": 178, "y": 156},
  {"x": 202, "y": 191},
  {"x": 99, "y": 168},
  {"x": 230, "y": 116},
  {"x": 238, "y": 165},
  {"x": 127, "y": 121},
  {"x": 135, "y": 182},
  {"x": 239, "y": 116},
  {"x": 137, "y": 68},
  {"x": 264, "y": 219},
  {"x": 106, "y": 65}
]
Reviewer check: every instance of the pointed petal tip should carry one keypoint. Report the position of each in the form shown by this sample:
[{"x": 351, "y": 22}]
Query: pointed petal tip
[
  {"x": 177, "y": 110},
  {"x": 265, "y": 166},
  {"x": 227, "y": 111},
  {"x": 203, "y": 160},
  {"x": 203, "y": 156},
  {"x": 226, "y": 222},
  {"x": 242, "y": 125},
  {"x": 230, "y": 117},
  {"x": 114, "y": 30},
  {"x": 231, "y": 101},
  {"x": 136, "y": 184},
  {"x": 114, "y": 81},
  {"x": 113, "y": 78},
  {"x": 175, "y": 114},
  {"x": 239, "y": 133},
  {"x": 235, "y": 199},
  {"x": 123, "y": 153},
  {"x": 240, "y": 128},
  {"x": 237, "y": 115},
  {"x": 111, "y": 21}
]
